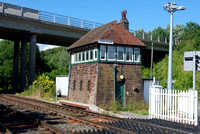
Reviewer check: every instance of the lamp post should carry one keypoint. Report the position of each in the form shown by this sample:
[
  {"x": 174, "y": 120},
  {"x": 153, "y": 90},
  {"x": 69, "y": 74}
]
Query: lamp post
[{"x": 171, "y": 8}]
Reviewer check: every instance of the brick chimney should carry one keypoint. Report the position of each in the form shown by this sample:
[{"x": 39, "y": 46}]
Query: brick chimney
[{"x": 124, "y": 22}]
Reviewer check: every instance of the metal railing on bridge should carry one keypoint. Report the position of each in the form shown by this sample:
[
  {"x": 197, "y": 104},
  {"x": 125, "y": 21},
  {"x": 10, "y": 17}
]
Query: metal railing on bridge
[
  {"x": 67, "y": 20},
  {"x": 47, "y": 16}
]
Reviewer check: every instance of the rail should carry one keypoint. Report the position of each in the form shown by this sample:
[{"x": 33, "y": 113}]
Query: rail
[{"x": 70, "y": 21}]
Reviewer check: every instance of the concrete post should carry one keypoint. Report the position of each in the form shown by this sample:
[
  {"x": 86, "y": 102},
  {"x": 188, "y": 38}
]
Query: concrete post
[
  {"x": 23, "y": 64},
  {"x": 15, "y": 66},
  {"x": 31, "y": 71}
]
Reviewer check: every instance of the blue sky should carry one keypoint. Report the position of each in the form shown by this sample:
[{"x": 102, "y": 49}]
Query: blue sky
[{"x": 146, "y": 14}]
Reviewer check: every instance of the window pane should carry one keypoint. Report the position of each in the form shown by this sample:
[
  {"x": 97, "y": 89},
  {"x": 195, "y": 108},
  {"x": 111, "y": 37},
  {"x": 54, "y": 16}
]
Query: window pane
[
  {"x": 83, "y": 56},
  {"x": 137, "y": 54},
  {"x": 91, "y": 54},
  {"x": 129, "y": 53},
  {"x": 79, "y": 58},
  {"x": 87, "y": 55},
  {"x": 111, "y": 52},
  {"x": 103, "y": 52},
  {"x": 95, "y": 54},
  {"x": 120, "y": 53}
]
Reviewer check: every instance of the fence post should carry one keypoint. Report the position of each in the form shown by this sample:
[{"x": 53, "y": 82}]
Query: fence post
[
  {"x": 135, "y": 33},
  {"x": 82, "y": 23},
  {"x": 196, "y": 108},
  {"x": 68, "y": 20},
  {"x": 94, "y": 26},
  {"x": 143, "y": 35},
  {"x": 22, "y": 11},
  {"x": 165, "y": 39},
  {"x": 54, "y": 18},
  {"x": 150, "y": 102},
  {"x": 2, "y": 7}
]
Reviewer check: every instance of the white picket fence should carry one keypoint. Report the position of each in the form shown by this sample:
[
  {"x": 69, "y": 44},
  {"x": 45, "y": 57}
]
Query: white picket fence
[{"x": 176, "y": 106}]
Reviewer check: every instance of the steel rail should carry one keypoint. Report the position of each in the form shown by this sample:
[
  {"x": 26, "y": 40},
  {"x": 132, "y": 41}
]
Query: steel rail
[
  {"x": 160, "y": 127},
  {"x": 97, "y": 114},
  {"x": 67, "y": 108},
  {"x": 4, "y": 129},
  {"x": 39, "y": 122},
  {"x": 81, "y": 120}
]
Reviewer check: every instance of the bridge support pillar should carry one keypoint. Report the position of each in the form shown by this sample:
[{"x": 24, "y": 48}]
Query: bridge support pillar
[
  {"x": 15, "y": 66},
  {"x": 32, "y": 58},
  {"x": 23, "y": 64}
]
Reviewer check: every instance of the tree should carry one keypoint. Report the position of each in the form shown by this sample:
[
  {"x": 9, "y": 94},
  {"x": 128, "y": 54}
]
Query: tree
[
  {"x": 6, "y": 63},
  {"x": 190, "y": 42},
  {"x": 57, "y": 60}
]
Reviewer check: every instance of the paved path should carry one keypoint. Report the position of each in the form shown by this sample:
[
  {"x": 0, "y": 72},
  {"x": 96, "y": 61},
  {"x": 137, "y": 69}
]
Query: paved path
[{"x": 133, "y": 115}]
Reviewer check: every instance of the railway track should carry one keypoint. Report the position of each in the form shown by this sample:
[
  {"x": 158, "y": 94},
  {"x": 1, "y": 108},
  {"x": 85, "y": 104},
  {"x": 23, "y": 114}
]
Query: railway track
[
  {"x": 13, "y": 121},
  {"x": 70, "y": 119},
  {"x": 99, "y": 123}
]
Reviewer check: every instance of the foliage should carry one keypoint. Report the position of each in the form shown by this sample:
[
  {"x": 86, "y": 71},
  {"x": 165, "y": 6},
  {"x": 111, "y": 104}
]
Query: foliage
[
  {"x": 115, "y": 107},
  {"x": 43, "y": 87},
  {"x": 162, "y": 33},
  {"x": 138, "y": 108},
  {"x": 190, "y": 42},
  {"x": 51, "y": 62},
  {"x": 134, "y": 107},
  {"x": 145, "y": 72},
  {"x": 57, "y": 60},
  {"x": 6, "y": 64}
]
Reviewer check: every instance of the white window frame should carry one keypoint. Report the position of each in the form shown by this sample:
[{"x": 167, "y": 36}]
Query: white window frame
[
  {"x": 109, "y": 47},
  {"x": 136, "y": 50},
  {"x": 95, "y": 58},
  {"x": 72, "y": 59},
  {"x": 76, "y": 58},
  {"x": 120, "y": 48},
  {"x": 101, "y": 48},
  {"x": 129, "y": 49}
]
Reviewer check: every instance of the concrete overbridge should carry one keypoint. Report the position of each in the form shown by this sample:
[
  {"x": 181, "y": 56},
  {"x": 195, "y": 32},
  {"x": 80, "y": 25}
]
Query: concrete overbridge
[{"x": 23, "y": 25}]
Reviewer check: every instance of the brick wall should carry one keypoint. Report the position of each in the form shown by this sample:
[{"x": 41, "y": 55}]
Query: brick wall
[
  {"x": 101, "y": 77},
  {"x": 132, "y": 83},
  {"x": 85, "y": 73}
]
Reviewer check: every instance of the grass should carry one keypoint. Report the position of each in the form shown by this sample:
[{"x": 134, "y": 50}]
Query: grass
[
  {"x": 138, "y": 108},
  {"x": 37, "y": 93}
]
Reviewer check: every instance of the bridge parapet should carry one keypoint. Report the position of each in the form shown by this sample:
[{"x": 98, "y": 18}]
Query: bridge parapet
[
  {"x": 70, "y": 21},
  {"x": 47, "y": 16}
]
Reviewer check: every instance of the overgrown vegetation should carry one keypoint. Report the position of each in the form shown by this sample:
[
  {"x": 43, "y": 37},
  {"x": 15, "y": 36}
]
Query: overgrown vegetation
[
  {"x": 42, "y": 88},
  {"x": 138, "y": 108},
  {"x": 190, "y": 42}
]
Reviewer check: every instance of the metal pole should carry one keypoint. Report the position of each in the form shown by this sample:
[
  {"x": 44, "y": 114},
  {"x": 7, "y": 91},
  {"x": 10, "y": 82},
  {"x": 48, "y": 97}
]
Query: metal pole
[
  {"x": 114, "y": 70},
  {"x": 194, "y": 71},
  {"x": 69, "y": 75},
  {"x": 169, "y": 84},
  {"x": 194, "y": 81},
  {"x": 151, "y": 74}
]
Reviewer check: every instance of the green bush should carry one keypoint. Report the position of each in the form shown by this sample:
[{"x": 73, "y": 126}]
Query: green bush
[{"x": 43, "y": 87}]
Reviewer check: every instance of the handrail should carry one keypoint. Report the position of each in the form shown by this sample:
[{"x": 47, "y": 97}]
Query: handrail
[{"x": 66, "y": 20}]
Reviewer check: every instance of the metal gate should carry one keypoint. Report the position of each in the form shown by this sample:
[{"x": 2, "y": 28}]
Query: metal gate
[{"x": 176, "y": 105}]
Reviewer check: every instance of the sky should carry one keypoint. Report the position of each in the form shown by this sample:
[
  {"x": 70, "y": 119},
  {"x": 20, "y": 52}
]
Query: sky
[{"x": 141, "y": 14}]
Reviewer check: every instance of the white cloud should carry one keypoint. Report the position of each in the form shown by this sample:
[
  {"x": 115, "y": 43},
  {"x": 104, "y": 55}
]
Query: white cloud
[{"x": 43, "y": 47}]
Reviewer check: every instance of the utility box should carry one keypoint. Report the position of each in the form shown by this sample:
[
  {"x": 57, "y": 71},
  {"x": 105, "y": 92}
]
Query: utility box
[
  {"x": 146, "y": 85},
  {"x": 62, "y": 84}
]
